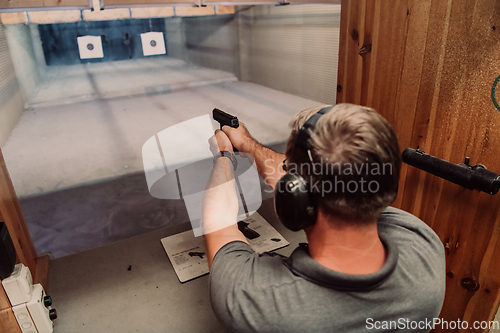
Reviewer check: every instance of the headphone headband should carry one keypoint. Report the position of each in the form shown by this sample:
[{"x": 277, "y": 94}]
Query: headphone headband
[{"x": 304, "y": 133}]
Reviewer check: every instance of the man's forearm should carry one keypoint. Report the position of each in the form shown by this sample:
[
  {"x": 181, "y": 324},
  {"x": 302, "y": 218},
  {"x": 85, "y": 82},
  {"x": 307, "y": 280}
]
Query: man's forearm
[
  {"x": 220, "y": 209},
  {"x": 269, "y": 163}
]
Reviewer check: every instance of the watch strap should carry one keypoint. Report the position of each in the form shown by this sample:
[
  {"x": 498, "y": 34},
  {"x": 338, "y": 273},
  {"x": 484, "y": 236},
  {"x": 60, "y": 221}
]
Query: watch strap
[{"x": 229, "y": 155}]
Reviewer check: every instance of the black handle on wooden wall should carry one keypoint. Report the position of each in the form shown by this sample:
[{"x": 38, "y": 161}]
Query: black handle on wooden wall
[{"x": 471, "y": 177}]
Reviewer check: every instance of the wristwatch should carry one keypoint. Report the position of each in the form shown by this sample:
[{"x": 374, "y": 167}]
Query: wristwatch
[{"x": 229, "y": 155}]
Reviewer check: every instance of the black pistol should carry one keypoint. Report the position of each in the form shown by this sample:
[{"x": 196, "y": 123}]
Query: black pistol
[
  {"x": 246, "y": 231},
  {"x": 225, "y": 118}
]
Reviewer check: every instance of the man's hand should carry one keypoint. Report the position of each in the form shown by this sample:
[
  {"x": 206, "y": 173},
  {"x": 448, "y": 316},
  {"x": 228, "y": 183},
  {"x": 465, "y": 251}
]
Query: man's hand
[
  {"x": 240, "y": 137},
  {"x": 269, "y": 163},
  {"x": 220, "y": 142},
  {"x": 223, "y": 141}
]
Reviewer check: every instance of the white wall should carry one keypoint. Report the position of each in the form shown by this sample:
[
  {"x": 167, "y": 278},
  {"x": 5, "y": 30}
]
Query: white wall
[
  {"x": 176, "y": 41},
  {"x": 11, "y": 98},
  {"x": 208, "y": 41},
  {"x": 23, "y": 57},
  {"x": 38, "y": 49},
  {"x": 211, "y": 41},
  {"x": 290, "y": 48}
]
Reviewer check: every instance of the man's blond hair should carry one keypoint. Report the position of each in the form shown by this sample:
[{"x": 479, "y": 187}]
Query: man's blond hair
[{"x": 351, "y": 146}]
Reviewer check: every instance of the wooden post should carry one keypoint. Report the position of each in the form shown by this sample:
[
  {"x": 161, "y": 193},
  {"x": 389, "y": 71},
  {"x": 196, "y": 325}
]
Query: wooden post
[
  {"x": 429, "y": 67},
  {"x": 11, "y": 214},
  {"x": 14, "y": 220},
  {"x": 8, "y": 323}
]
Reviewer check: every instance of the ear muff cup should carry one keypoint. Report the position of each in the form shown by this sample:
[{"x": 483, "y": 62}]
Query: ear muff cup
[{"x": 294, "y": 203}]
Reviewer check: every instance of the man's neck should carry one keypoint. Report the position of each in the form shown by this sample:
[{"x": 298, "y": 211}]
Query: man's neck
[{"x": 346, "y": 246}]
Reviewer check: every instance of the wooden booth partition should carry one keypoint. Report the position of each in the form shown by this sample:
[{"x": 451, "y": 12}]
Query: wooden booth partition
[
  {"x": 430, "y": 67},
  {"x": 11, "y": 214}
]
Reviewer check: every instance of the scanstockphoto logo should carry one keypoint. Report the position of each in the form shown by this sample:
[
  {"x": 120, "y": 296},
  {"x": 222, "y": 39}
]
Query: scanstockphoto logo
[
  {"x": 427, "y": 324},
  {"x": 337, "y": 177},
  {"x": 178, "y": 163}
]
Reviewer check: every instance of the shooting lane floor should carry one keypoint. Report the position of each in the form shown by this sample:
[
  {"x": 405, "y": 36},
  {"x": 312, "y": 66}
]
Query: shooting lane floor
[{"x": 75, "y": 156}]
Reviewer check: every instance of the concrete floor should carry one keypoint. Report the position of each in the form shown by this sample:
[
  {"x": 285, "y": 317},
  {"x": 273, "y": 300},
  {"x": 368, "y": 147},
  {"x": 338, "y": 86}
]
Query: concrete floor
[
  {"x": 78, "y": 167},
  {"x": 135, "y": 77}
]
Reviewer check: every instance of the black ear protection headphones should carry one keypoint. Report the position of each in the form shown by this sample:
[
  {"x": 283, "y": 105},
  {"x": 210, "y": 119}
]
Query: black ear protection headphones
[{"x": 294, "y": 202}]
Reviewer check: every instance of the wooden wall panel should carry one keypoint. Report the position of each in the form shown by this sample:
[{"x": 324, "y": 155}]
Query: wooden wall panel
[
  {"x": 11, "y": 214},
  {"x": 8, "y": 323},
  {"x": 17, "y": 4},
  {"x": 147, "y": 12},
  {"x": 428, "y": 66},
  {"x": 145, "y": 2},
  {"x": 14, "y": 220}
]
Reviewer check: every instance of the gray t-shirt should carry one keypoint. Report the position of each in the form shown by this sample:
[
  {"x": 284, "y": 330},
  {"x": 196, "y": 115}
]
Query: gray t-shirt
[{"x": 253, "y": 292}]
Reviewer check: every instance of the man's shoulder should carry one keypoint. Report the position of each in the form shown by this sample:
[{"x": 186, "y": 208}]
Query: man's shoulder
[
  {"x": 421, "y": 252},
  {"x": 393, "y": 214},
  {"x": 399, "y": 223},
  {"x": 254, "y": 270}
]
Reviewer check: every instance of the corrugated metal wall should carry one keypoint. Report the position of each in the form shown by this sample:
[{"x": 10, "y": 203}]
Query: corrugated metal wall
[
  {"x": 208, "y": 41},
  {"x": 211, "y": 40},
  {"x": 290, "y": 48},
  {"x": 11, "y": 100},
  {"x": 23, "y": 58},
  {"x": 174, "y": 35}
]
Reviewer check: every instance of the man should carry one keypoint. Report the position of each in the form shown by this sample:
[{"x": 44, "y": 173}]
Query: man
[{"x": 366, "y": 265}]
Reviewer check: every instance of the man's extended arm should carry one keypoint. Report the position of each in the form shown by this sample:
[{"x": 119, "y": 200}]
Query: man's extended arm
[
  {"x": 220, "y": 204},
  {"x": 269, "y": 163}
]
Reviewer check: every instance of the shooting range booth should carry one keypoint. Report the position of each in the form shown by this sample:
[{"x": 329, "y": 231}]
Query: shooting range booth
[{"x": 430, "y": 67}]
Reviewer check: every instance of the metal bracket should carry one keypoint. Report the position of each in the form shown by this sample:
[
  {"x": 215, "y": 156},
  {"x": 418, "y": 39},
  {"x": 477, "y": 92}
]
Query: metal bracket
[{"x": 467, "y": 165}]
